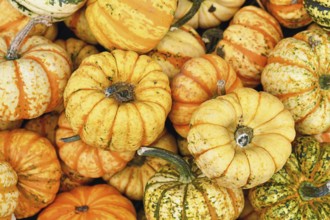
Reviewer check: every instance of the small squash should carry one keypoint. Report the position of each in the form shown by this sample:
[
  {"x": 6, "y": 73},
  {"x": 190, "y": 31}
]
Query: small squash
[
  {"x": 181, "y": 191},
  {"x": 301, "y": 190},
  {"x": 101, "y": 202},
  {"x": 118, "y": 101},
  {"x": 298, "y": 73},
  {"x": 35, "y": 162},
  {"x": 200, "y": 79},
  {"x": 88, "y": 161},
  {"x": 132, "y": 180},
  {"x": 242, "y": 138},
  {"x": 247, "y": 41},
  {"x": 319, "y": 10}
]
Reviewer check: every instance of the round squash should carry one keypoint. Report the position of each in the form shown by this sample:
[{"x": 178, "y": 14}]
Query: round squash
[
  {"x": 301, "y": 189},
  {"x": 181, "y": 191},
  {"x": 57, "y": 9},
  {"x": 298, "y": 73},
  {"x": 132, "y": 180},
  {"x": 8, "y": 190},
  {"x": 241, "y": 139},
  {"x": 197, "y": 82},
  {"x": 101, "y": 202},
  {"x": 88, "y": 161},
  {"x": 211, "y": 12},
  {"x": 247, "y": 41},
  {"x": 289, "y": 13},
  {"x": 35, "y": 162},
  {"x": 130, "y": 26},
  {"x": 176, "y": 48},
  {"x": 319, "y": 10},
  {"x": 118, "y": 101},
  {"x": 35, "y": 72}
]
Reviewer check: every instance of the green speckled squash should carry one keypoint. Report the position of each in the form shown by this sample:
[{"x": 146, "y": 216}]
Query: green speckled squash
[
  {"x": 287, "y": 195},
  {"x": 319, "y": 10},
  {"x": 184, "y": 192}
]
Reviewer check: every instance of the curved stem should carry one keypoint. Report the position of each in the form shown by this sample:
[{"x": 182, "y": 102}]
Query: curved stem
[
  {"x": 186, "y": 175},
  {"x": 193, "y": 10},
  {"x": 71, "y": 139},
  {"x": 308, "y": 191},
  {"x": 12, "y": 52},
  {"x": 211, "y": 37}
]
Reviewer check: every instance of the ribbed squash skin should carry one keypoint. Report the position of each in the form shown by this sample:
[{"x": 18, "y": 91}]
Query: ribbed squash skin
[
  {"x": 290, "y": 14},
  {"x": 106, "y": 123},
  {"x": 104, "y": 202},
  {"x": 294, "y": 74},
  {"x": 319, "y": 10},
  {"x": 279, "y": 197},
  {"x": 167, "y": 198},
  {"x": 212, "y": 141},
  {"x": 129, "y": 24},
  {"x": 87, "y": 160},
  {"x": 247, "y": 41},
  {"x": 34, "y": 83},
  {"x": 35, "y": 162},
  {"x": 197, "y": 83}
]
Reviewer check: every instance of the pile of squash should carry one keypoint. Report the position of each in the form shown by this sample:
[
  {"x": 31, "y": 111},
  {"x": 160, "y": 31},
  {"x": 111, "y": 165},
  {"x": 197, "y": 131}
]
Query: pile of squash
[{"x": 154, "y": 109}]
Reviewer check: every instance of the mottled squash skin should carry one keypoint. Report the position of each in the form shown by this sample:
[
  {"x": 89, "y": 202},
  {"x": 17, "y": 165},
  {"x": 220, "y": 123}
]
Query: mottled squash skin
[
  {"x": 319, "y": 10},
  {"x": 280, "y": 197}
]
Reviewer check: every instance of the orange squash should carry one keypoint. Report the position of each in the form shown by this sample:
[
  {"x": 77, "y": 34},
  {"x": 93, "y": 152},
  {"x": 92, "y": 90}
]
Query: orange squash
[{"x": 101, "y": 202}]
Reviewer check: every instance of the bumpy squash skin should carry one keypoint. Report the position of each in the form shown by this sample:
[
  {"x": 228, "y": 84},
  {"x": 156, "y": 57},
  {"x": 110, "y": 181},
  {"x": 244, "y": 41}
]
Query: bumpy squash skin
[
  {"x": 294, "y": 74},
  {"x": 319, "y": 10},
  {"x": 213, "y": 143},
  {"x": 167, "y": 198},
  {"x": 106, "y": 123},
  {"x": 279, "y": 197}
]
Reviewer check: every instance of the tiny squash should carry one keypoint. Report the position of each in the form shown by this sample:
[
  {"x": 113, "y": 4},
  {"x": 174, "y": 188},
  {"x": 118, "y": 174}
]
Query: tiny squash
[
  {"x": 241, "y": 139},
  {"x": 301, "y": 189},
  {"x": 118, "y": 101},
  {"x": 101, "y": 202},
  {"x": 181, "y": 191}
]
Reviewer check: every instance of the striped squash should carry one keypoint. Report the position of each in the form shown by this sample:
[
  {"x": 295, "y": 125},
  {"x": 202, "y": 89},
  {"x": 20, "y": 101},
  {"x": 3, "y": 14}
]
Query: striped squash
[
  {"x": 130, "y": 24},
  {"x": 319, "y": 10}
]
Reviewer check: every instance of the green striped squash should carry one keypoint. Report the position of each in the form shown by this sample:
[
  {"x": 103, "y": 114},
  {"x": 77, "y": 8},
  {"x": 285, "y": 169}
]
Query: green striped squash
[{"x": 319, "y": 10}]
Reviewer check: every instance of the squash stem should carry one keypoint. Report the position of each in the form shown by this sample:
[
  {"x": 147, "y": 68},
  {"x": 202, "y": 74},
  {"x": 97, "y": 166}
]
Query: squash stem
[
  {"x": 12, "y": 52},
  {"x": 221, "y": 87},
  {"x": 121, "y": 91},
  {"x": 211, "y": 37},
  {"x": 243, "y": 135},
  {"x": 186, "y": 175},
  {"x": 81, "y": 209},
  {"x": 193, "y": 10},
  {"x": 71, "y": 139},
  {"x": 308, "y": 191}
]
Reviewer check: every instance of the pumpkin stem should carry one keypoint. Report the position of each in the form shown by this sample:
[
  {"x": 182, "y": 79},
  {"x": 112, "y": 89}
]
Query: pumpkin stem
[
  {"x": 12, "y": 52},
  {"x": 137, "y": 161},
  {"x": 211, "y": 37},
  {"x": 71, "y": 139},
  {"x": 83, "y": 208},
  {"x": 121, "y": 91},
  {"x": 307, "y": 191},
  {"x": 193, "y": 10},
  {"x": 324, "y": 81},
  {"x": 186, "y": 175},
  {"x": 243, "y": 135},
  {"x": 221, "y": 87}
]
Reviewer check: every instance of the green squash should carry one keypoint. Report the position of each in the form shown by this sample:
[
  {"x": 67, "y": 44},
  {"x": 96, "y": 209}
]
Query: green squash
[
  {"x": 301, "y": 189},
  {"x": 319, "y": 10},
  {"x": 180, "y": 191}
]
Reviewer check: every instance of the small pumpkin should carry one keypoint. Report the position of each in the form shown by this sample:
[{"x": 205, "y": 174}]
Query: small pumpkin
[
  {"x": 242, "y": 138},
  {"x": 8, "y": 190},
  {"x": 289, "y": 13},
  {"x": 101, "y": 201},
  {"x": 176, "y": 48},
  {"x": 118, "y": 101},
  {"x": 319, "y": 10},
  {"x": 88, "y": 161},
  {"x": 211, "y": 13},
  {"x": 298, "y": 73},
  {"x": 34, "y": 73},
  {"x": 301, "y": 190},
  {"x": 250, "y": 37},
  {"x": 197, "y": 82},
  {"x": 130, "y": 26},
  {"x": 181, "y": 191},
  {"x": 132, "y": 180},
  {"x": 57, "y": 9},
  {"x": 35, "y": 162}
]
